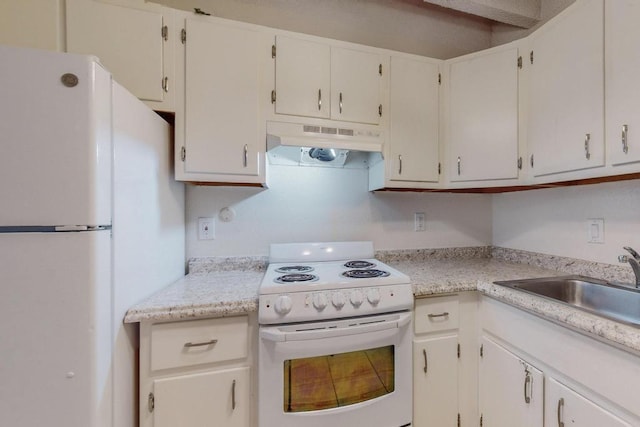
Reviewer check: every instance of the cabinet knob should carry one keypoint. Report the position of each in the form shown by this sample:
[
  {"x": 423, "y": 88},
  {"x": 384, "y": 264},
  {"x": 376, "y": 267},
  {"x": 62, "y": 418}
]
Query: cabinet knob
[
  {"x": 459, "y": 164},
  {"x": 319, "y": 99},
  {"x": 625, "y": 141},
  {"x": 399, "y": 164},
  {"x": 340, "y": 103},
  {"x": 245, "y": 160}
]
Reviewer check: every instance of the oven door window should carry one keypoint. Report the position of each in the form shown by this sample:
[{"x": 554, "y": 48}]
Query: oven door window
[{"x": 324, "y": 382}]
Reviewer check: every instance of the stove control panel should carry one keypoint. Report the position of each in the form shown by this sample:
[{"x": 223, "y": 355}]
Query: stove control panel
[{"x": 333, "y": 304}]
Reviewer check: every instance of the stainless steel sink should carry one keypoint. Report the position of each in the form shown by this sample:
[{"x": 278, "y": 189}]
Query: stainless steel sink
[{"x": 617, "y": 302}]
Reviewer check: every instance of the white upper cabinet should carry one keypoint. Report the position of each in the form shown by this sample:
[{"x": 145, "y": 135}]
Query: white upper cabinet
[
  {"x": 622, "y": 99},
  {"x": 133, "y": 43},
  {"x": 36, "y": 24},
  {"x": 303, "y": 78},
  {"x": 566, "y": 93},
  {"x": 413, "y": 121},
  {"x": 483, "y": 116},
  {"x": 314, "y": 79},
  {"x": 220, "y": 135},
  {"x": 355, "y": 86}
]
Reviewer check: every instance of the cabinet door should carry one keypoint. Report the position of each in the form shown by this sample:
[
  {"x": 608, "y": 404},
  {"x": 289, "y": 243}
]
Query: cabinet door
[
  {"x": 128, "y": 41},
  {"x": 355, "y": 86},
  {"x": 566, "y": 105},
  {"x": 435, "y": 382},
  {"x": 511, "y": 390},
  {"x": 565, "y": 407},
  {"x": 622, "y": 98},
  {"x": 35, "y": 24},
  {"x": 222, "y": 130},
  {"x": 211, "y": 398},
  {"x": 303, "y": 77},
  {"x": 414, "y": 120},
  {"x": 484, "y": 117}
]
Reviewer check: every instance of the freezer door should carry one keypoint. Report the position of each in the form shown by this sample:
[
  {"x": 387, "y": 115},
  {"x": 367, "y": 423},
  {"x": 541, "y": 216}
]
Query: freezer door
[
  {"x": 55, "y": 329},
  {"x": 55, "y": 138}
]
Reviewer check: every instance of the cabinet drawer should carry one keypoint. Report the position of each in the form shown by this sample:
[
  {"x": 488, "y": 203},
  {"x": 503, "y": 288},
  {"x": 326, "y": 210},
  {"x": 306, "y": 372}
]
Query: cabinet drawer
[
  {"x": 436, "y": 314},
  {"x": 198, "y": 341}
]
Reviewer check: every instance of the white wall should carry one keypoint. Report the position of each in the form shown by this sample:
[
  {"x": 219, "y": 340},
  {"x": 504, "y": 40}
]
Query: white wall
[
  {"x": 321, "y": 204},
  {"x": 554, "y": 221}
]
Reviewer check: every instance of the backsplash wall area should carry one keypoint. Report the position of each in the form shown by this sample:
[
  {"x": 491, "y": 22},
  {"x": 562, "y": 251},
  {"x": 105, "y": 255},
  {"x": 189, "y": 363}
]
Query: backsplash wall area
[
  {"x": 325, "y": 204},
  {"x": 554, "y": 221}
]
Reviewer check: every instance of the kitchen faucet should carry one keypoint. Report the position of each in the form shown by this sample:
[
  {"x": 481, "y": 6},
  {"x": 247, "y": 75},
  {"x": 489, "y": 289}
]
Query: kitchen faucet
[{"x": 634, "y": 261}]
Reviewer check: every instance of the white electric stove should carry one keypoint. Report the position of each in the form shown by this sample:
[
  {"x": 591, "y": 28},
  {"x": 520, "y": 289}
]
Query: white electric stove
[{"x": 330, "y": 280}]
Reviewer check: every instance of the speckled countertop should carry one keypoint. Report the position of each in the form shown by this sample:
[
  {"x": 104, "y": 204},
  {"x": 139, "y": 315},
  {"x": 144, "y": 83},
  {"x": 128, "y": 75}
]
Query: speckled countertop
[{"x": 220, "y": 287}]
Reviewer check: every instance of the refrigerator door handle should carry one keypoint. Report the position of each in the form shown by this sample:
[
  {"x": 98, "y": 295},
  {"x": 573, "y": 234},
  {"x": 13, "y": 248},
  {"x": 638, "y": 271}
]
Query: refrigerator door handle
[{"x": 51, "y": 228}]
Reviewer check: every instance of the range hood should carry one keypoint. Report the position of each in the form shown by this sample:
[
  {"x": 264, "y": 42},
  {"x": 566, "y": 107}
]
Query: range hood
[{"x": 306, "y": 144}]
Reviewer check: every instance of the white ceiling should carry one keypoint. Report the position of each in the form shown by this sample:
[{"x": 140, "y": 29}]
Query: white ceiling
[{"x": 520, "y": 13}]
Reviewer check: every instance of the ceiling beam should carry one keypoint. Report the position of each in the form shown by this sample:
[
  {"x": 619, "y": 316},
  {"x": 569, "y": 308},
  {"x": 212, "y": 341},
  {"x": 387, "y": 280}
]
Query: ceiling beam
[{"x": 520, "y": 13}]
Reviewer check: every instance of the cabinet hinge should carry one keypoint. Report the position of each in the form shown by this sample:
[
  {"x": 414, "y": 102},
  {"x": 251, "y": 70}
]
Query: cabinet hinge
[
  {"x": 183, "y": 154},
  {"x": 183, "y": 36},
  {"x": 482, "y": 350},
  {"x": 481, "y": 420},
  {"x": 439, "y": 168},
  {"x": 439, "y": 78},
  {"x": 520, "y": 62},
  {"x": 165, "y": 33},
  {"x": 380, "y": 110},
  {"x": 273, "y": 50},
  {"x": 531, "y": 57},
  {"x": 273, "y": 96},
  {"x": 151, "y": 402},
  {"x": 380, "y": 69},
  {"x": 165, "y": 84},
  {"x": 458, "y": 420},
  {"x": 520, "y": 163},
  {"x": 458, "y": 350}
]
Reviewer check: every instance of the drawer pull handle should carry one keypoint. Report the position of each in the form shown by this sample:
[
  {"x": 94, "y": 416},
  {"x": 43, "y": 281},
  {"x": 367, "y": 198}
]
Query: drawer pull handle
[
  {"x": 233, "y": 395},
  {"x": 200, "y": 344},
  {"x": 426, "y": 362},
  {"x": 527, "y": 387},
  {"x": 431, "y": 316},
  {"x": 560, "y": 408}
]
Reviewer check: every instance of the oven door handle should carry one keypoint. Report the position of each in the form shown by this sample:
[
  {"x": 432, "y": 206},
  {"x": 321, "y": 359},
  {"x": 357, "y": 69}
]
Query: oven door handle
[{"x": 277, "y": 335}]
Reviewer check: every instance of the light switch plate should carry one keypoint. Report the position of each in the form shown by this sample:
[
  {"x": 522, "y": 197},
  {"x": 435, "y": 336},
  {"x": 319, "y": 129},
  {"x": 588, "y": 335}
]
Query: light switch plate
[
  {"x": 206, "y": 229},
  {"x": 595, "y": 230}
]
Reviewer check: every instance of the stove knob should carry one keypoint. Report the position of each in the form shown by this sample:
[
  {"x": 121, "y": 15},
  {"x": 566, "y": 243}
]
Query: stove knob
[
  {"x": 319, "y": 301},
  {"x": 373, "y": 295},
  {"x": 337, "y": 299},
  {"x": 283, "y": 304},
  {"x": 356, "y": 298}
]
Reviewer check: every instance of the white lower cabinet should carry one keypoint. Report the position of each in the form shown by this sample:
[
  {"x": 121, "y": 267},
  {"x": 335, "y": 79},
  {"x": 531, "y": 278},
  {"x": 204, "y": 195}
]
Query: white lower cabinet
[
  {"x": 565, "y": 407},
  {"x": 211, "y": 398},
  {"x": 445, "y": 361},
  {"x": 577, "y": 381},
  {"x": 435, "y": 381},
  {"x": 511, "y": 390},
  {"x": 197, "y": 373}
]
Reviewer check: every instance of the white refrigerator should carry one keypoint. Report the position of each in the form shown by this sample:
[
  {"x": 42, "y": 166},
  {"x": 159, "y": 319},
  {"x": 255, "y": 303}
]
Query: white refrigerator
[{"x": 91, "y": 222}]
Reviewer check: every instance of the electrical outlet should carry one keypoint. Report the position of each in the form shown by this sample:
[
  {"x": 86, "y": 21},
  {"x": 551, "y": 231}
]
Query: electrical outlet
[
  {"x": 206, "y": 229},
  {"x": 419, "y": 221},
  {"x": 595, "y": 230}
]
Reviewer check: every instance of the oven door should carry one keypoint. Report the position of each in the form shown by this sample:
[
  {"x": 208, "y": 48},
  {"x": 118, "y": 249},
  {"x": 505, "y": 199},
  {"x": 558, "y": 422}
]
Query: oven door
[{"x": 345, "y": 372}]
